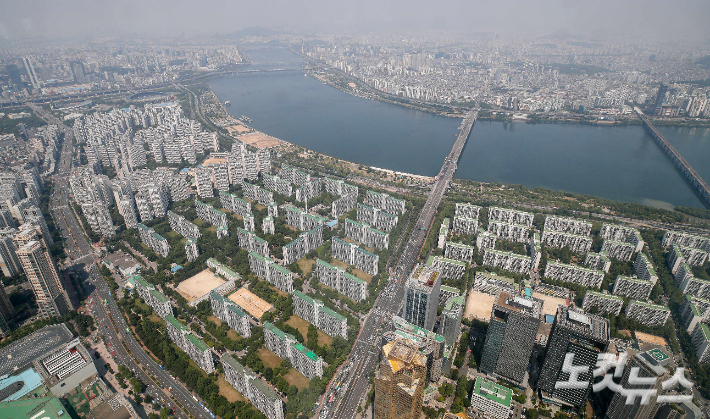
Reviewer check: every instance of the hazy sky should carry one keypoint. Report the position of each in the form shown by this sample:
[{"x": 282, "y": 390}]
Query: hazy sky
[{"x": 670, "y": 19}]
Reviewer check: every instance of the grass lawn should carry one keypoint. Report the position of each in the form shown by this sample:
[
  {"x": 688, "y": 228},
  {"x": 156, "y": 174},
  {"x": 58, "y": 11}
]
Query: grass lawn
[
  {"x": 237, "y": 216},
  {"x": 297, "y": 379},
  {"x": 172, "y": 234},
  {"x": 154, "y": 318},
  {"x": 302, "y": 327},
  {"x": 269, "y": 358},
  {"x": 216, "y": 320},
  {"x": 369, "y": 249},
  {"x": 306, "y": 265},
  {"x": 233, "y": 335},
  {"x": 229, "y": 393},
  {"x": 357, "y": 272},
  {"x": 199, "y": 222},
  {"x": 259, "y": 207},
  {"x": 212, "y": 229}
]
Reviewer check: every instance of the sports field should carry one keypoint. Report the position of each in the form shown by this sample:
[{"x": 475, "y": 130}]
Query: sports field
[
  {"x": 250, "y": 302},
  {"x": 550, "y": 303},
  {"x": 199, "y": 285},
  {"x": 479, "y": 306}
]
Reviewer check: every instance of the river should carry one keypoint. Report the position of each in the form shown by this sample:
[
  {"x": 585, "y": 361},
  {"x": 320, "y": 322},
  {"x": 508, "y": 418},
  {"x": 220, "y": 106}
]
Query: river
[{"x": 621, "y": 163}]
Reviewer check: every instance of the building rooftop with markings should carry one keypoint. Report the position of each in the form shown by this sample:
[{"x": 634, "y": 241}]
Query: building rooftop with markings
[
  {"x": 491, "y": 399},
  {"x": 285, "y": 346},
  {"x": 338, "y": 279}
]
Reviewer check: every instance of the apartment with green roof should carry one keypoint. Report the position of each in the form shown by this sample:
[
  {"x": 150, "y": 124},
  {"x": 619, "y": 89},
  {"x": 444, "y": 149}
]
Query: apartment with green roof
[
  {"x": 604, "y": 303},
  {"x": 356, "y": 256},
  {"x": 341, "y": 281},
  {"x": 183, "y": 337},
  {"x": 246, "y": 382},
  {"x": 693, "y": 311},
  {"x": 249, "y": 241},
  {"x": 234, "y": 203},
  {"x": 286, "y": 346},
  {"x": 267, "y": 270},
  {"x": 701, "y": 342},
  {"x": 635, "y": 288},
  {"x": 385, "y": 202},
  {"x": 157, "y": 301},
  {"x": 647, "y": 313},
  {"x": 230, "y": 313},
  {"x": 314, "y": 312},
  {"x": 366, "y": 234},
  {"x": 491, "y": 399}
]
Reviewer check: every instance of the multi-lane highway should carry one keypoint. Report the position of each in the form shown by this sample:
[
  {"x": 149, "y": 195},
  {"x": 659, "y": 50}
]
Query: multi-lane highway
[
  {"x": 356, "y": 371},
  {"x": 111, "y": 323}
]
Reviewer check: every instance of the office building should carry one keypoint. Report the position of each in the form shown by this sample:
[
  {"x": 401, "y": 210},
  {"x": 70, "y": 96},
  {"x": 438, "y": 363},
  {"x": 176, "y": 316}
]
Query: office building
[
  {"x": 41, "y": 271},
  {"x": 230, "y": 313},
  {"x": 508, "y": 261},
  {"x": 421, "y": 298},
  {"x": 380, "y": 219},
  {"x": 9, "y": 262},
  {"x": 647, "y": 314},
  {"x": 400, "y": 380},
  {"x": 285, "y": 346},
  {"x": 267, "y": 270},
  {"x": 314, "y": 312},
  {"x": 579, "y": 275},
  {"x": 491, "y": 399},
  {"x": 510, "y": 338},
  {"x": 578, "y": 333},
  {"x": 603, "y": 303},
  {"x": 190, "y": 344},
  {"x": 246, "y": 382},
  {"x": 337, "y": 279},
  {"x": 356, "y": 256}
]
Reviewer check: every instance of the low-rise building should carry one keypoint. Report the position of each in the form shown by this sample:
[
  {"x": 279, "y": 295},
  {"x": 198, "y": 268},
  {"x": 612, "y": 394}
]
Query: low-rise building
[
  {"x": 338, "y": 279},
  {"x": 604, "y": 303},
  {"x": 316, "y": 313},
  {"x": 647, "y": 314},
  {"x": 285, "y": 346}
]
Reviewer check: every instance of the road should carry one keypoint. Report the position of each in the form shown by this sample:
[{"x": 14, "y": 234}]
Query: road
[
  {"x": 111, "y": 322},
  {"x": 361, "y": 362}
]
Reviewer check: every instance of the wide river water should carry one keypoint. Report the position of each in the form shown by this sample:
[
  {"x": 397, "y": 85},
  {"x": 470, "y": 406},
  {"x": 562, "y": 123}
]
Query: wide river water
[{"x": 619, "y": 163}]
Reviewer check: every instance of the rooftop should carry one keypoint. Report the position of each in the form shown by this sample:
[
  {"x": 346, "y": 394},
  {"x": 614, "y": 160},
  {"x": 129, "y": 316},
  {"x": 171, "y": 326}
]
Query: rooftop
[
  {"x": 492, "y": 391},
  {"x": 41, "y": 408}
]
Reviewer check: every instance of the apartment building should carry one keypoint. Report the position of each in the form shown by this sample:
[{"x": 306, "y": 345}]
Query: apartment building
[
  {"x": 618, "y": 233},
  {"x": 257, "y": 193},
  {"x": 695, "y": 286},
  {"x": 157, "y": 301},
  {"x": 675, "y": 258},
  {"x": 249, "y": 241},
  {"x": 467, "y": 210},
  {"x": 155, "y": 241},
  {"x": 301, "y": 220},
  {"x": 278, "y": 185},
  {"x": 693, "y": 311},
  {"x": 377, "y": 218},
  {"x": 343, "y": 205},
  {"x": 234, "y": 203},
  {"x": 574, "y": 242},
  {"x": 180, "y": 225},
  {"x": 510, "y": 216},
  {"x": 192, "y": 252},
  {"x": 599, "y": 261},
  {"x": 506, "y": 260},
  {"x": 249, "y": 222},
  {"x": 701, "y": 342},
  {"x": 684, "y": 239},
  {"x": 400, "y": 380},
  {"x": 294, "y": 175},
  {"x": 246, "y": 382},
  {"x": 314, "y": 312},
  {"x": 385, "y": 202},
  {"x": 490, "y": 283},
  {"x": 635, "y": 288},
  {"x": 354, "y": 255},
  {"x": 491, "y": 399},
  {"x": 647, "y": 314},
  {"x": 450, "y": 326},
  {"x": 285, "y": 346},
  {"x": 223, "y": 270},
  {"x": 618, "y": 250},
  {"x": 41, "y": 272},
  {"x": 210, "y": 214},
  {"x": 268, "y": 226},
  {"x": 643, "y": 268},
  {"x": 367, "y": 235},
  {"x": 344, "y": 283},
  {"x": 458, "y": 251},
  {"x": 567, "y": 225},
  {"x": 512, "y": 232},
  {"x": 267, "y": 270},
  {"x": 604, "y": 303},
  {"x": 309, "y": 191},
  {"x": 693, "y": 256},
  {"x": 301, "y": 246},
  {"x": 230, "y": 313},
  {"x": 190, "y": 344},
  {"x": 203, "y": 182},
  {"x": 449, "y": 268},
  {"x": 579, "y": 275},
  {"x": 464, "y": 225}
]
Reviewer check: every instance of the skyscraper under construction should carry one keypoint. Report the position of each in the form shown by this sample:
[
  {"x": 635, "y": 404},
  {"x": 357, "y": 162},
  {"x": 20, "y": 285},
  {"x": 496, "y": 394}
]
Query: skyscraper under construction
[{"x": 400, "y": 381}]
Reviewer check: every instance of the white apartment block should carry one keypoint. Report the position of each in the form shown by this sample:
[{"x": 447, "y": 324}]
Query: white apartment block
[
  {"x": 369, "y": 236},
  {"x": 278, "y": 185},
  {"x": 377, "y": 218},
  {"x": 343, "y": 205},
  {"x": 354, "y": 255},
  {"x": 590, "y": 278},
  {"x": 9, "y": 262},
  {"x": 616, "y": 232},
  {"x": 575, "y": 243},
  {"x": 152, "y": 297},
  {"x": 234, "y": 203},
  {"x": 309, "y": 191},
  {"x": 127, "y": 210},
  {"x": 314, "y": 312},
  {"x": 618, "y": 250},
  {"x": 693, "y": 256},
  {"x": 267, "y": 225},
  {"x": 643, "y": 268},
  {"x": 180, "y": 225},
  {"x": 230, "y": 313},
  {"x": 695, "y": 286},
  {"x": 285, "y": 346},
  {"x": 458, "y": 251},
  {"x": 634, "y": 288},
  {"x": 506, "y": 260},
  {"x": 449, "y": 268},
  {"x": 210, "y": 214},
  {"x": 249, "y": 241},
  {"x": 192, "y": 252},
  {"x": 223, "y": 271},
  {"x": 158, "y": 199},
  {"x": 694, "y": 311},
  {"x": 604, "y": 303},
  {"x": 647, "y": 314},
  {"x": 338, "y": 279},
  {"x": 301, "y": 246},
  {"x": 599, "y": 261},
  {"x": 701, "y": 342},
  {"x": 246, "y": 382},
  {"x": 485, "y": 240},
  {"x": 99, "y": 218},
  {"x": 191, "y": 344},
  {"x": 221, "y": 177},
  {"x": 294, "y": 175},
  {"x": 467, "y": 210},
  {"x": 257, "y": 193},
  {"x": 464, "y": 225},
  {"x": 385, "y": 202},
  {"x": 249, "y": 222},
  {"x": 535, "y": 251},
  {"x": 154, "y": 240},
  {"x": 301, "y": 220},
  {"x": 675, "y": 258},
  {"x": 510, "y": 216},
  {"x": 490, "y": 399},
  {"x": 568, "y": 225},
  {"x": 678, "y": 237},
  {"x": 267, "y": 270},
  {"x": 203, "y": 182},
  {"x": 339, "y": 187}
]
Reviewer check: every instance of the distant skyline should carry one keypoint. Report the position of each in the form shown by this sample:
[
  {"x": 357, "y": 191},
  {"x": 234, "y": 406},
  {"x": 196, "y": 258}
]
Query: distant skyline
[{"x": 652, "y": 19}]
